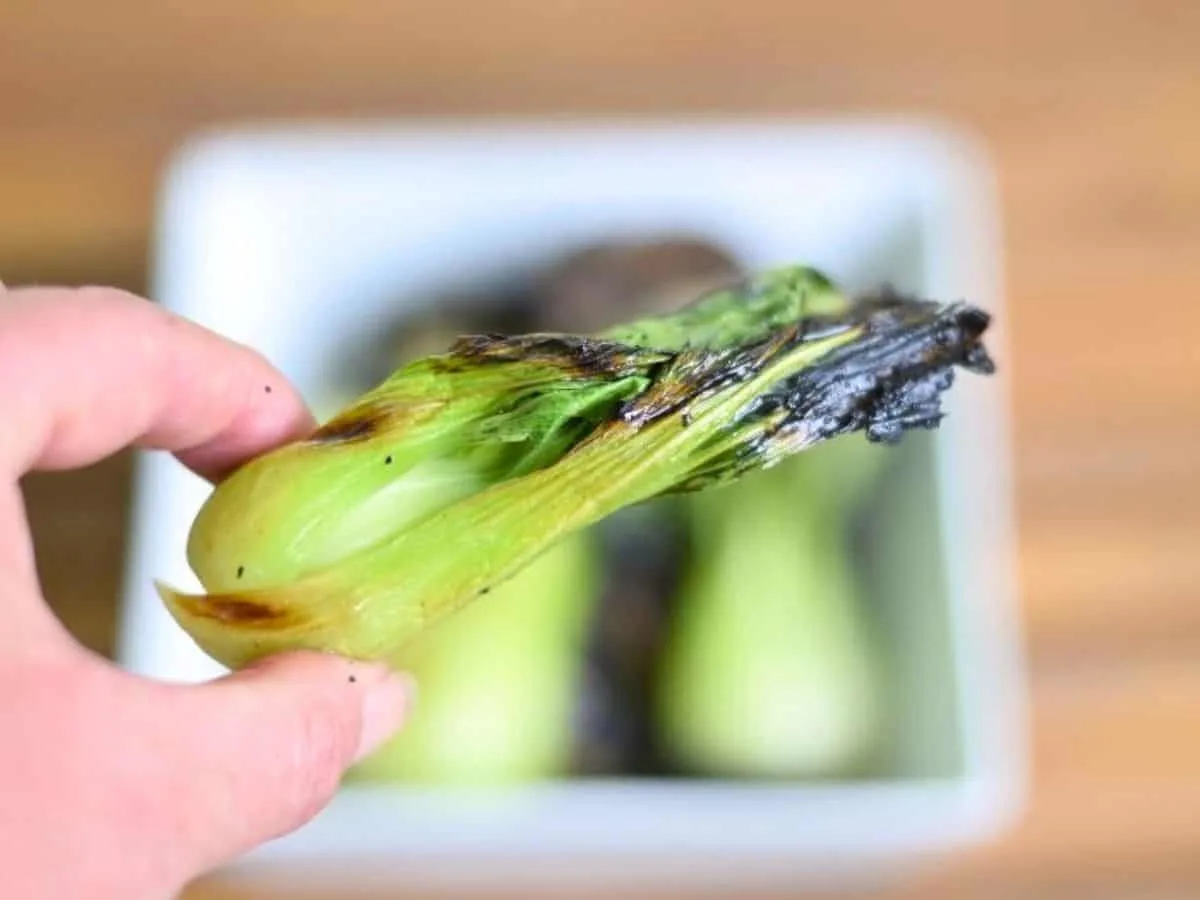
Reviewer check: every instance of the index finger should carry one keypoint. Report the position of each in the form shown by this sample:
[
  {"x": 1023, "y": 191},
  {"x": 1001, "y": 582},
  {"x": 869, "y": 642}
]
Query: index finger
[{"x": 85, "y": 372}]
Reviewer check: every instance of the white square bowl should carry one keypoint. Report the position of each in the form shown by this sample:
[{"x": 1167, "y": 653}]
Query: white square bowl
[{"x": 298, "y": 241}]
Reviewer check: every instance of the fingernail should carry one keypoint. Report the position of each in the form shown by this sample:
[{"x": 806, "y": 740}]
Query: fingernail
[{"x": 385, "y": 704}]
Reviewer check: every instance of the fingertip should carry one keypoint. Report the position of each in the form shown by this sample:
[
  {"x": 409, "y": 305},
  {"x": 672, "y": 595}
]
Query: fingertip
[
  {"x": 92, "y": 370},
  {"x": 270, "y": 413},
  {"x": 283, "y": 732},
  {"x": 260, "y": 426},
  {"x": 386, "y": 704},
  {"x": 384, "y": 696}
]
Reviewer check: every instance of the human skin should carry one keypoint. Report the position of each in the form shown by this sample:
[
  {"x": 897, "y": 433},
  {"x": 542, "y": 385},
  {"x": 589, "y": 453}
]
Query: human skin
[{"x": 112, "y": 785}]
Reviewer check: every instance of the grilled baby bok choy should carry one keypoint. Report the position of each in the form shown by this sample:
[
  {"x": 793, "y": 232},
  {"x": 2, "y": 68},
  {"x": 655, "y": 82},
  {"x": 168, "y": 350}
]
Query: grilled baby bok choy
[
  {"x": 460, "y": 469},
  {"x": 499, "y": 679}
]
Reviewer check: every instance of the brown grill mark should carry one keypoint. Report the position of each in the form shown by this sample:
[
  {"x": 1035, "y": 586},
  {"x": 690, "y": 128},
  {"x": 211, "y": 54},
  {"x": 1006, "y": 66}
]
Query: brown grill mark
[
  {"x": 233, "y": 609},
  {"x": 356, "y": 425}
]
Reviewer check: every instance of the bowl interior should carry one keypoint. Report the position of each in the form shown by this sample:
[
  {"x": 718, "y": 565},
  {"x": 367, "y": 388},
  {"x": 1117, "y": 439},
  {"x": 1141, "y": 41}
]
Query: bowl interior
[{"x": 299, "y": 244}]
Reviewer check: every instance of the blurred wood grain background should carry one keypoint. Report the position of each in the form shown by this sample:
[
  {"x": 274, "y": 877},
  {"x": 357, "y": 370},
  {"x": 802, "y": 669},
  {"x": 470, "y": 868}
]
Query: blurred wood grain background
[{"x": 1091, "y": 111}]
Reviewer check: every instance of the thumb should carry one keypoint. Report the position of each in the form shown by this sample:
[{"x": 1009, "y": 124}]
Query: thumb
[{"x": 266, "y": 747}]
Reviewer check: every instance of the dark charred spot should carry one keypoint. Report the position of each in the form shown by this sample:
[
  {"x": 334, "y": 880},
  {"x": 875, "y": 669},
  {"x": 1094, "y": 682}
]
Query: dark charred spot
[
  {"x": 448, "y": 365},
  {"x": 579, "y": 357},
  {"x": 692, "y": 374},
  {"x": 387, "y": 461},
  {"x": 234, "y": 610},
  {"x": 356, "y": 425},
  {"x": 241, "y": 570},
  {"x": 352, "y": 679}
]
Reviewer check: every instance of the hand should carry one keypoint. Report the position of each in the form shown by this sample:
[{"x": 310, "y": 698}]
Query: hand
[{"x": 112, "y": 785}]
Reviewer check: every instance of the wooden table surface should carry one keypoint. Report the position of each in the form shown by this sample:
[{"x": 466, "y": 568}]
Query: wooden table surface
[{"x": 1092, "y": 114}]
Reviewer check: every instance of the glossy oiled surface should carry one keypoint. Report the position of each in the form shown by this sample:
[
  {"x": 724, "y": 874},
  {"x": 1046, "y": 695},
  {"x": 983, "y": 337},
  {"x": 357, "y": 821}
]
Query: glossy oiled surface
[{"x": 1092, "y": 114}]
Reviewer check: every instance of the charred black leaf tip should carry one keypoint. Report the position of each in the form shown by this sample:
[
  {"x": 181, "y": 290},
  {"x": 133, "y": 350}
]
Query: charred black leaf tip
[
  {"x": 972, "y": 322},
  {"x": 958, "y": 335},
  {"x": 889, "y": 383},
  {"x": 972, "y": 319}
]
